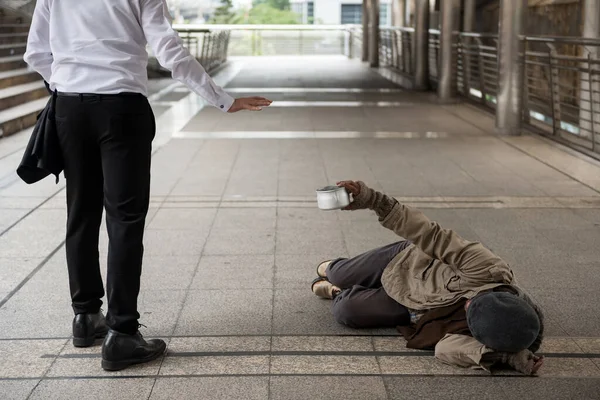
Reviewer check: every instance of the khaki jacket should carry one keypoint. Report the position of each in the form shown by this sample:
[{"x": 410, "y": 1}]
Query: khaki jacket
[{"x": 439, "y": 269}]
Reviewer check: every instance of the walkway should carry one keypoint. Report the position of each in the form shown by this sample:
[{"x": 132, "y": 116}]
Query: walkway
[{"x": 234, "y": 235}]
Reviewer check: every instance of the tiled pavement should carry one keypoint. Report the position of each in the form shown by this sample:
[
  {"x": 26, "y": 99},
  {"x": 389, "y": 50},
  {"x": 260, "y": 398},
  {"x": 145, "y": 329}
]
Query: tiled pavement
[{"x": 233, "y": 237}]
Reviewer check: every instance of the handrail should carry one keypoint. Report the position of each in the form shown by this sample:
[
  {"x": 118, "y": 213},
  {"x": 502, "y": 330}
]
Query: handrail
[{"x": 251, "y": 27}]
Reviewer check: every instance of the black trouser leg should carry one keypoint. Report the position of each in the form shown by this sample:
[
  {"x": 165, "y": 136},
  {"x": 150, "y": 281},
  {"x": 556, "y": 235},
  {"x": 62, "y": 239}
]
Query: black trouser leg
[
  {"x": 365, "y": 269},
  {"x": 83, "y": 172},
  {"x": 126, "y": 150},
  {"x": 364, "y": 303}
]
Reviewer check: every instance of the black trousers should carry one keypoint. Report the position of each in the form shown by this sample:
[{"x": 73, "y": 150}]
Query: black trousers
[
  {"x": 363, "y": 303},
  {"x": 106, "y": 141}
]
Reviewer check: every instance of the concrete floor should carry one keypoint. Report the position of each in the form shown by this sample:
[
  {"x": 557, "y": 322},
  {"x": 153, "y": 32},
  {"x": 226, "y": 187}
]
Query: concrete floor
[{"x": 234, "y": 235}]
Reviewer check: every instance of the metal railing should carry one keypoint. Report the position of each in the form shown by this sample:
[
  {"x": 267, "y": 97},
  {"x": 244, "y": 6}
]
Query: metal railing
[
  {"x": 561, "y": 89},
  {"x": 209, "y": 47},
  {"x": 280, "y": 40}
]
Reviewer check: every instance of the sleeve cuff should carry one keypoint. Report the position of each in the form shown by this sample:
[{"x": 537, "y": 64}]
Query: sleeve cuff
[{"x": 225, "y": 102}]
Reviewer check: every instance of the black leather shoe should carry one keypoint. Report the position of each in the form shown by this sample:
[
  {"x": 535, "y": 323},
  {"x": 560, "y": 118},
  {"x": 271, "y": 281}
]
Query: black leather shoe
[
  {"x": 119, "y": 350},
  {"x": 87, "y": 328}
]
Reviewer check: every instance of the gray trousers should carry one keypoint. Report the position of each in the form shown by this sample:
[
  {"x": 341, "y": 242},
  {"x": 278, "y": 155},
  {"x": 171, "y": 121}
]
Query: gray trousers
[{"x": 363, "y": 303}]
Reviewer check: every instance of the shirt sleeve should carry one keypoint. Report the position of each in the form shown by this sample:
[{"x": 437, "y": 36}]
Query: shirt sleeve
[
  {"x": 38, "y": 54},
  {"x": 172, "y": 54}
]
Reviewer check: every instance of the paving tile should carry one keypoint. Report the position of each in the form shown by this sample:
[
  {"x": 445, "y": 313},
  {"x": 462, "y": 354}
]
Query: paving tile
[
  {"x": 219, "y": 388},
  {"x": 555, "y": 388},
  {"x": 226, "y": 312},
  {"x": 233, "y": 241},
  {"x": 244, "y": 218},
  {"x": 322, "y": 343},
  {"x": 326, "y": 365},
  {"x": 395, "y": 343},
  {"x": 174, "y": 242},
  {"x": 14, "y": 270},
  {"x": 560, "y": 345},
  {"x": 219, "y": 344},
  {"x": 17, "y": 390},
  {"x": 306, "y": 218},
  {"x": 234, "y": 272},
  {"x": 28, "y": 358},
  {"x": 588, "y": 345},
  {"x": 90, "y": 366},
  {"x": 183, "y": 219},
  {"x": 305, "y": 241},
  {"x": 451, "y": 388},
  {"x": 211, "y": 365},
  {"x": 84, "y": 389},
  {"x": 168, "y": 272},
  {"x": 17, "y": 244},
  {"x": 159, "y": 310},
  {"x": 327, "y": 388},
  {"x": 422, "y": 365},
  {"x": 569, "y": 368}
]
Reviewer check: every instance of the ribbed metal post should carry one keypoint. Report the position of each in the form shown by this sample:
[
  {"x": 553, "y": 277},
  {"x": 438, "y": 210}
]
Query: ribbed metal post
[
  {"x": 374, "y": 33},
  {"x": 448, "y": 35},
  {"x": 510, "y": 72},
  {"x": 365, "y": 30},
  {"x": 421, "y": 38}
]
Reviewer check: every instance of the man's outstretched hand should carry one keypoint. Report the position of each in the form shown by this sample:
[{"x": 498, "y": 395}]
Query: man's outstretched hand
[
  {"x": 249, "y": 103},
  {"x": 351, "y": 187},
  {"x": 359, "y": 191}
]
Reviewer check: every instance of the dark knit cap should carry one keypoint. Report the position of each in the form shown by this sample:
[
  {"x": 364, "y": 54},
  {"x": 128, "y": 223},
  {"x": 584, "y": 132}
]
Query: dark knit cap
[{"x": 503, "y": 321}]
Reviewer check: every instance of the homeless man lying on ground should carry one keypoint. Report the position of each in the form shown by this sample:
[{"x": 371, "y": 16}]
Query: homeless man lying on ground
[{"x": 442, "y": 291}]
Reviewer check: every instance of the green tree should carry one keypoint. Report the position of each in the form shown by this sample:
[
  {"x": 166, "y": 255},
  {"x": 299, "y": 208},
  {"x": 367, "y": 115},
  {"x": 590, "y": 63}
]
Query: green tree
[
  {"x": 224, "y": 13},
  {"x": 264, "y": 14},
  {"x": 278, "y": 4}
]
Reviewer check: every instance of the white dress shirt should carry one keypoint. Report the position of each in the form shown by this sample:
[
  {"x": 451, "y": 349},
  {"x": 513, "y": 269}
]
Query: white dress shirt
[{"x": 99, "y": 46}]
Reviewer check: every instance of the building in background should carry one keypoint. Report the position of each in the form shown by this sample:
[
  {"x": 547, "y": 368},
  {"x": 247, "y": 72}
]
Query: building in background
[{"x": 337, "y": 12}]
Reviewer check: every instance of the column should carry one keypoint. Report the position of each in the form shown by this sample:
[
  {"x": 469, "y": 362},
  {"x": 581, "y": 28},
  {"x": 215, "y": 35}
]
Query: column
[
  {"x": 365, "y": 30},
  {"x": 469, "y": 16},
  {"x": 450, "y": 16},
  {"x": 421, "y": 40},
  {"x": 374, "y": 33},
  {"x": 591, "y": 29},
  {"x": 510, "y": 73},
  {"x": 398, "y": 10}
]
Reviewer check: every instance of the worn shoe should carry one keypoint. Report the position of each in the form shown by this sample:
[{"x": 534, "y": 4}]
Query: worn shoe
[
  {"x": 321, "y": 268},
  {"x": 325, "y": 289},
  {"x": 120, "y": 350},
  {"x": 87, "y": 328}
]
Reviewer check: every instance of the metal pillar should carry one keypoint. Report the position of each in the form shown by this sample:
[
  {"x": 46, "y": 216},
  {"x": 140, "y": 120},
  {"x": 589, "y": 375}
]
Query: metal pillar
[
  {"x": 469, "y": 16},
  {"x": 448, "y": 56},
  {"x": 374, "y": 34},
  {"x": 398, "y": 13},
  {"x": 409, "y": 6},
  {"x": 365, "y": 30},
  {"x": 421, "y": 40},
  {"x": 589, "y": 112},
  {"x": 510, "y": 72}
]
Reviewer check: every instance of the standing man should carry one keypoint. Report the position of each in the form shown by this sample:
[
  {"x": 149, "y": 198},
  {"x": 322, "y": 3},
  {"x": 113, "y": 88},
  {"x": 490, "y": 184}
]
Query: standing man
[{"x": 93, "y": 53}]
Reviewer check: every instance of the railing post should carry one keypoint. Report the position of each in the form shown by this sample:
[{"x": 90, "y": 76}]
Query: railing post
[
  {"x": 554, "y": 89},
  {"x": 421, "y": 38},
  {"x": 591, "y": 86},
  {"x": 509, "y": 109},
  {"x": 589, "y": 109},
  {"x": 365, "y": 30},
  {"x": 480, "y": 65},
  {"x": 374, "y": 41}
]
